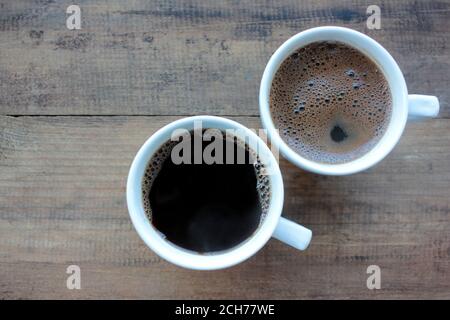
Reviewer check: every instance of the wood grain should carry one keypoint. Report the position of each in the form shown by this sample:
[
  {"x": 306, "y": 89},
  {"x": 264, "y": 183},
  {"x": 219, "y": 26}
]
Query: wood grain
[
  {"x": 62, "y": 202},
  {"x": 190, "y": 57},
  {"x": 75, "y": 106}
]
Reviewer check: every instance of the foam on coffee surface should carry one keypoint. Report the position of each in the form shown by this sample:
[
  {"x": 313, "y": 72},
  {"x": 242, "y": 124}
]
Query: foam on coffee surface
[
  {"x": 330, "y": 102},
  {"x": 152, "y": 170}
]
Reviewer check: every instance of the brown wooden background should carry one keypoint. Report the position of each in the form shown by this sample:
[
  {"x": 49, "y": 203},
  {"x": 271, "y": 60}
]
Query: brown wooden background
[{"x": 76, "y": 105}]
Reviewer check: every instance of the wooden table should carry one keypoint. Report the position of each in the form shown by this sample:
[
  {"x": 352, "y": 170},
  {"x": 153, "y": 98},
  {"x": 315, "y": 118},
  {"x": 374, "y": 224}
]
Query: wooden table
[{"x": 76, "y": 105}]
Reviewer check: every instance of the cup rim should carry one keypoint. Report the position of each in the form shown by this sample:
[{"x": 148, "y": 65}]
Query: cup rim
[
  {"x": 186, "y": 258},
  {"x": 380, "y": 57}
]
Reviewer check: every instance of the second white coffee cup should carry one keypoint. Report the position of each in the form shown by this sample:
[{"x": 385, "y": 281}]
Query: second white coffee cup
[{"x": 403, "y": 105}]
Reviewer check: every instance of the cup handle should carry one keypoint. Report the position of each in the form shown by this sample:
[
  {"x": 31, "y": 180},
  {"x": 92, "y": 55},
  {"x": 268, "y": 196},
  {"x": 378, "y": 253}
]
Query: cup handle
[
  {"x": 421, "y": 107},
  {"x": 292, "y": 234}
]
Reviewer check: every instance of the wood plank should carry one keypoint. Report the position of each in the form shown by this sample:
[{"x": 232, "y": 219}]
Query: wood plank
[
  {"x": 179, "y": 58},
  {"x": 62, "y": 202}
]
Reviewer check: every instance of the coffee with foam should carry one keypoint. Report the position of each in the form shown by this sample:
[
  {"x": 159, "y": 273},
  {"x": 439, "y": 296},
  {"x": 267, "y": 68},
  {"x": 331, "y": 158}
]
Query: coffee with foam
[
  {"x": 330, "y": 102},
  {"x": 202, "y": 207}
]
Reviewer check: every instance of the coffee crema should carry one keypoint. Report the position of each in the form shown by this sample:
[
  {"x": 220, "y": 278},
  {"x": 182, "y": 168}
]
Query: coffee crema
[
  {"x": 330, "y": 102},
  {"x": 203, "y": 207}
]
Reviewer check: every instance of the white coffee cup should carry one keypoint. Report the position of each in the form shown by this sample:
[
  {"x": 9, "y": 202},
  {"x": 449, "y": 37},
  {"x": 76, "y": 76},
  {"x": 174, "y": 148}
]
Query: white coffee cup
[
  {"x": 272, "y": 225},
  {"x": 403, "y": 105}
]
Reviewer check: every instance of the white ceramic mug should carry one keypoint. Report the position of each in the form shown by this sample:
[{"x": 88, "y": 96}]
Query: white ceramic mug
[
  {"x": 272, "y": 225},
  {"x": 403, "y": 105}
]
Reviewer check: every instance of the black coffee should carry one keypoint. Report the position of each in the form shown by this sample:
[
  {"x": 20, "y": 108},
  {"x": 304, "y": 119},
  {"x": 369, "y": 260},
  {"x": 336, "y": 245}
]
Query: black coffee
[
  {"x": 205, "y": 207},
  {"x": 330, "y": 102}
]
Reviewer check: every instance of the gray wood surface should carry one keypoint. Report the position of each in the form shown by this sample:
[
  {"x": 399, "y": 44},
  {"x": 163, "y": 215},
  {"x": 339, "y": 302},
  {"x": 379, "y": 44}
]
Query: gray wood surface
[
  {"x": 177, "y": 57},
  {"x": 75, "y": 106}
]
